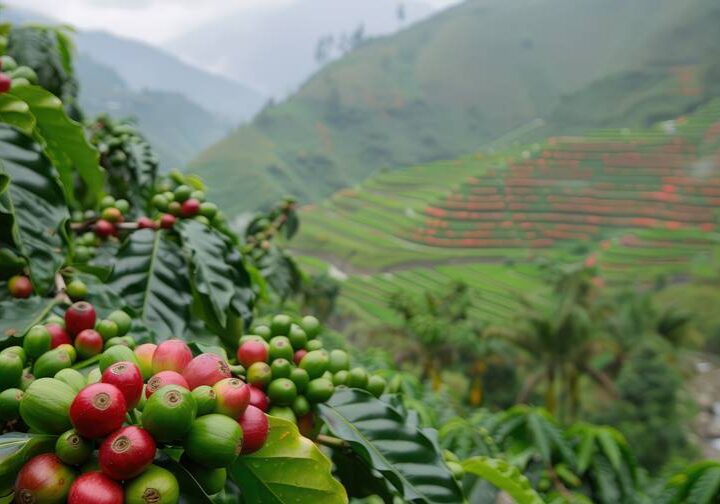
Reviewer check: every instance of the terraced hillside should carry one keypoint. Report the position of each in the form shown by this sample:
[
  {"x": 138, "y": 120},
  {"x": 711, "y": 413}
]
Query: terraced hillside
[{"x": 640, "y": 204}]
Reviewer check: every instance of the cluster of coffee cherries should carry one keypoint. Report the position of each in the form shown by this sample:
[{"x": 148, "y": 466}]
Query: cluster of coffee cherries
[
  {"x": 175, "y": 198},
  {"x": 289, "y": 370},
  {"x": 97, "y": 227},
  {"x": 113, "y": 419},
  {"x": 14, "y": 75}
]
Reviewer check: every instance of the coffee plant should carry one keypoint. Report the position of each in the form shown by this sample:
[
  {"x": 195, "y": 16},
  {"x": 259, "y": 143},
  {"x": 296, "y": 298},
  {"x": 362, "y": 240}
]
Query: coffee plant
[
  {"x": 132, "y": 369},
  {"x": 144, "y": 359}
]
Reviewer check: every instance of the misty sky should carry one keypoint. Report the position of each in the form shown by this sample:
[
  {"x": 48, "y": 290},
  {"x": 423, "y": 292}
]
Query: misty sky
[{"x": 154, "y": 21}]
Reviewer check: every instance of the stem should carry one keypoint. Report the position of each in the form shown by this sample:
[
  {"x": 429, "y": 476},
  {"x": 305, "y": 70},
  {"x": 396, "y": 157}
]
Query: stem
[
  {"x": 88, "y": 225},
  {"x": 132, "y": 417},
  {"x": 60, "y": 294},
  {"x": 332, "y": 442}
]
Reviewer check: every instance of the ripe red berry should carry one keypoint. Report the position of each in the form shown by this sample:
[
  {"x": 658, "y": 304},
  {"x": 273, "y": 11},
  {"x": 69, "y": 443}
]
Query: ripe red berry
[
  {"x": 251, "y": 352},
  {"x": 59, "y": 335},
  {"x": 146, "y": 223},
  {"x": 88, "y": 343},
  {"x": 233, "y": 397},
  {"x": 20, "y": 286},
  {"x": 297, "y": 357},
  {"x": 5, "y": 83},
  {"x": 255, "y": 429},
  {"x": 96, "y": 488},
  {"x": 206, "y": 369},
  {"x": 43, "y": 478},
  {"x": 126, "y": 453},
  {"x": 258, "y": 398},
  {"x": 163, "y": 378},
  {"x": 127, "y": 377},
  {"x": 171, "y": 355},
  {"x": 190, "y": 207},
  {"x": 78, "y": 317},
  {"x": 98, "y": 410},
  {"x": 104, "y": 229},
  {"x": 167, "y": 221}
]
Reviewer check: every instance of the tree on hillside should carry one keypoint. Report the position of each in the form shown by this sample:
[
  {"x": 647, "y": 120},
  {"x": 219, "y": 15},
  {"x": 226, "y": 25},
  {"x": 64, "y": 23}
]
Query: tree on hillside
[
  {"x": 649, "y": 409},
  {"x": 560, "y": 339}
]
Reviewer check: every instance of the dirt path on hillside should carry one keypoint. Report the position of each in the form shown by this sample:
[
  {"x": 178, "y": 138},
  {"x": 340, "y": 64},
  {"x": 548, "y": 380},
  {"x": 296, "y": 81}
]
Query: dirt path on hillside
[{"x": 705, "y": 389}]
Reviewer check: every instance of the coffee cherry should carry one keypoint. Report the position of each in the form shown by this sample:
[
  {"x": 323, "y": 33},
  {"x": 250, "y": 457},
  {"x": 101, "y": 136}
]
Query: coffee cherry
[
  {"x": 5, "y": 83},
  {"x": 146, "y": 223},
  {"x": 255, "y": 428},
  {"x": 78, "y": 317},
  {"x": 258, "y": 398},
  {"x": 98, "y": 410},
  {"x": 125, "y": 376},
  {"x": 206, "y": 369},
  {"x": 171, "y": 355},
  {"x": 163, "y": 378},
  {"x": 77, "y": 290},
  {"x": 107, "y": 329},
  {"x": 43, "y": 478},
  {"x": 88, "y": 343},
  {"x": 144, "y": 355},
  {"x": 123, "y": 321},
  {"x": 37, "y": 341},
  {"x": 190, "y": 207},
  {"x": 95, "y": 488},
  {"x": 123, "y": 205},
  {"x": 233, "y": 397},
  {"x": 112, "y": 214},
  {"x": 104, "y": 228},
  {"x": 107, "y": 202},
  {"x": 251, "y": 352},
  {"x": 20, "y": 286},
  {"x": 126, "y": 453},
  {"x": 167, "y": 221}
]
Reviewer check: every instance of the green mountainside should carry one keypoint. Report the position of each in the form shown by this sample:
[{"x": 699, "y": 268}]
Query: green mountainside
[
  {"x": 468, "y": 76},
  {"x": 642, "y": 205},
  {"x": 192, "y": 128}
]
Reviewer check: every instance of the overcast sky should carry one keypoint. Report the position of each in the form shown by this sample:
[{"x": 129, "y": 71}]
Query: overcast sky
[{"x": 154, "y": 21}]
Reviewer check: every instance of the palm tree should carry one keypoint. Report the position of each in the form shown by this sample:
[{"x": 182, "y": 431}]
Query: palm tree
[{"x": 560, "y": 341}]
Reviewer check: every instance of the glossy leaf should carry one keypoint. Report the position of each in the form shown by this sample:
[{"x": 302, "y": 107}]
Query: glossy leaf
[
  {"x": 19, "y": 315},
  {"x": 144, "y": 164},
  {"x": 289, "y": 469},
  {"x": 33, "y": 212},
  {"x": 16, "y": 448},
  {"x": 408, "y": 458},
  {"x": 212, "y": 276},
  {"x": 151, "y": 275},
  {"x": 16, "y": 112},
  {"x": 504, "y": 476},
  {"x": 707, "y": 488},
  {"x": 63, "y": 140},
  {"x": 190, "y": 490}
]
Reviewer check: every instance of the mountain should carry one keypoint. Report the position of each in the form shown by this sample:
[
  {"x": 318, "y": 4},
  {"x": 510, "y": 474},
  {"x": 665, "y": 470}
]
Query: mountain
[
  {"x": 273, "y": 48},
  {"x": 145, "y": 67},
  {"x": 476, "y": 73},
  {"x": 181, "y": 109},
  {"x": 176, "y": 127}
]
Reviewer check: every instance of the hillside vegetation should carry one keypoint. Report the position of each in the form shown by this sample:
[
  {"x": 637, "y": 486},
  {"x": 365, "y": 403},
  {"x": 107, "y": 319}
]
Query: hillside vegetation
[
  {"x": 638, "y": 204},
  {"x": 470, "y": 75}
]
